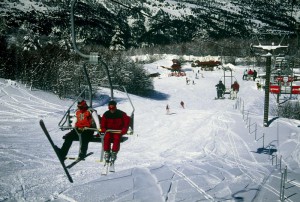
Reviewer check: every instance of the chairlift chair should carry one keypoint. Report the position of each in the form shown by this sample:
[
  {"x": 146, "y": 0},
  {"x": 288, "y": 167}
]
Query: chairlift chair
[
  {"x": 93, "y": 58},
  {"x": 228, "y": 76}
]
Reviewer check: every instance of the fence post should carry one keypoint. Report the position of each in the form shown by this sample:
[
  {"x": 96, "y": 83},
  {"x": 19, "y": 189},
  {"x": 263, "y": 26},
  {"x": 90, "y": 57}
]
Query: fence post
[
  {"x": 249, "y": 124},
  {"x": 281, "y": 192},
  {"x": 285, "y": 174},
  {"x": 255, "y": 130},
  {"x": 280, "y": 163},
  {"x": 283, "y": 181},
  {"x": 243, "y": 111}
]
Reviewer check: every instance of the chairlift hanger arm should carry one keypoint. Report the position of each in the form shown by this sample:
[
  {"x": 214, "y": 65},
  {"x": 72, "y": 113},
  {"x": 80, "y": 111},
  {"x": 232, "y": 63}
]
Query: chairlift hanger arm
[
  {"x": 93, "y": 57},
  {"x": 73, "y": 32},
  {"x": 133, "y": 109},
  {"x": 270, "y": 47}
]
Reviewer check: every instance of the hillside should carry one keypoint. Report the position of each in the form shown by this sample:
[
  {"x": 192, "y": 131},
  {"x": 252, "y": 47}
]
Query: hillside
[
  {"x": 206, "y": 151},
  {"x": 131, "y": 23}
]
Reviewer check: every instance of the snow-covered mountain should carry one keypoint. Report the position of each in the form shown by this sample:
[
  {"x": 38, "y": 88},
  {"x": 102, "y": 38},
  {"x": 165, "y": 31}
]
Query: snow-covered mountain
[{"x": 132, "y": 23}]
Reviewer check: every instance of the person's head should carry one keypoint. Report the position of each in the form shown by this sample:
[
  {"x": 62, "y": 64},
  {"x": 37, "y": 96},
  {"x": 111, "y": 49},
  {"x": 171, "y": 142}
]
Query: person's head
[
  {"x": 112, "y": 106},
  {"x": 220, "y": 81},
  {"x": 82, "y": 104}
]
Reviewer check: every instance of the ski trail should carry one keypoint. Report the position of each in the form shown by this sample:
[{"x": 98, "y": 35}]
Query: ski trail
[
  {"x": 238, "y": 161},
  {"x": 26, "y": 108},
  {"x": 29, "y": 109},
  {"x": 210, "y": 174},
  {"x": 30, "y": 97},
  {"x": 45, "y": 102},
  {"x": 193, "y": 184},
  {"x": 245, "y": 169}
]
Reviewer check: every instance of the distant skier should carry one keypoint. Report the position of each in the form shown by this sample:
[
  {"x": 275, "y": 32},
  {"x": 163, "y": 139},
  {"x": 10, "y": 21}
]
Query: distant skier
[
  {"x": 182, "y": 104},
  {"x": 168, "y": 109},
  {"x": 220, "y": 89},
  {"x": 113, "y": 119},
  {"x": 235, "y": 87},
  {"x": 187, "y": 81},
  {"x": 254, "y": 75},
  {"x": 245, "y": 75},
  {"x": 250, "y": 74}
]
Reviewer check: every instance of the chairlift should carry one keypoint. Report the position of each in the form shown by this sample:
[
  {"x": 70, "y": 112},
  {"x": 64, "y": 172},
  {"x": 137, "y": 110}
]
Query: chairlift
[
  {"x": 93, "y": 58},
  {"x": 65, "y": 122},
  {"x": 228, "y": 80}
]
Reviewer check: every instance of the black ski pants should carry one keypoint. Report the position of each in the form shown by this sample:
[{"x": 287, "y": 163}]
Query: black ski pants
[
  {"x": 86, "y": 136},
  {"x": 219, "y": 93}
]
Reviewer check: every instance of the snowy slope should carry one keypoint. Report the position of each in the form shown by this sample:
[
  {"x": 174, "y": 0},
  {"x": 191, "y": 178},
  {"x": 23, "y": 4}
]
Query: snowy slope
[{"x": 203, "y": 152}]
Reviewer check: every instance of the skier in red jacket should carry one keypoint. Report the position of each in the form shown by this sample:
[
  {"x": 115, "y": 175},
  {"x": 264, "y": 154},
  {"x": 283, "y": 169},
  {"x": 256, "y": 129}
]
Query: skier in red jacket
[
  {"x": 113, "y": 119},
  {"x": 85, "y": 117},
  {"x": 235, "y": 87}
]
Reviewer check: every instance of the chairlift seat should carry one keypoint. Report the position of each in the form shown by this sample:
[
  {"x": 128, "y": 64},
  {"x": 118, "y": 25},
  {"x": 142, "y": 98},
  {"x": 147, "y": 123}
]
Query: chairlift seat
[
  {"x": 227, "y": 91},
  {"x": 97, "y": 138}
]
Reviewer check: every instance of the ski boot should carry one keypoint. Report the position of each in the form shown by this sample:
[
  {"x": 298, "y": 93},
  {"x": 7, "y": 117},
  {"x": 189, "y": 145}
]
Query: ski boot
[
  {"x": 81, "y": 157},
  {"x": 113, "y": 157},
  {"x": 107, "y": 156}
]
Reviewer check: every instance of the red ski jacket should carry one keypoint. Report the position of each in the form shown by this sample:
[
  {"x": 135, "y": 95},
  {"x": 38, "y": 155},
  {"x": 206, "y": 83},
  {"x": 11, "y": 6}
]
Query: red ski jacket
[
  {"x": 115, "y": 121},
  {"x": 235, "y": 86},
  {"x": 84, "y": 118}
]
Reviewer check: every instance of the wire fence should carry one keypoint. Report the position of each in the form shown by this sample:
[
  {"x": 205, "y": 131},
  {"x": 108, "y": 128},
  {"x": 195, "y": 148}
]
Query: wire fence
[{"x": 269, "y": 149}]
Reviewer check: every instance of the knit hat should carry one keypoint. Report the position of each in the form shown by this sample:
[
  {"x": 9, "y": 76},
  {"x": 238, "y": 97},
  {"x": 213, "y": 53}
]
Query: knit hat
[
  {"x": 81, "y": 103},
  {"x": 112, "y": 102}
]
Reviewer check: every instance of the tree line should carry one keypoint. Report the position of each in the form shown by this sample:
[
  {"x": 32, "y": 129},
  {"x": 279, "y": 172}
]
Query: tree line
[{"x": 56, "y": 69}]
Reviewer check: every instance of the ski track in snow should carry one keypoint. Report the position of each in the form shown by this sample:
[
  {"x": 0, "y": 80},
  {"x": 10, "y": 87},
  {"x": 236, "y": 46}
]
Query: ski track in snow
[
  {"x": 194, "y": 185},
  {"x": 24, "y": 104}
]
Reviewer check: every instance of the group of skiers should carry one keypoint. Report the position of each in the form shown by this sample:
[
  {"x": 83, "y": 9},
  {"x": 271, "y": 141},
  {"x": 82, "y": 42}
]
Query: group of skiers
[
  {"x": 86, "y": 120},
  {"x": 248, "y": 74},
  {"x": 168, "y": 108},
  {"x": 235, "y": 87}
]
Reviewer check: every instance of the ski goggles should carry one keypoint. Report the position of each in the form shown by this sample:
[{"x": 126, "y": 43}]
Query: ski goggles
[{"x": 112, "y": 107}]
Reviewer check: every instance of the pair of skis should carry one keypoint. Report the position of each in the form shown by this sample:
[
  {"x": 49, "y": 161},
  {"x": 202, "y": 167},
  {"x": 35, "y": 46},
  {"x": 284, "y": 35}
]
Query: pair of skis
[{"x": 108, "y": 167}]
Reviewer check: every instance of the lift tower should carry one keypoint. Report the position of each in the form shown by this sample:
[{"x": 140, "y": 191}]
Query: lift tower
[{"x": 267, "y": 51}]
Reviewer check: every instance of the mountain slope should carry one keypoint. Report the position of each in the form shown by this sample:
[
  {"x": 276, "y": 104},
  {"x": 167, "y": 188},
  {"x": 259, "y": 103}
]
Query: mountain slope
[{"x": 205, "y": 151}]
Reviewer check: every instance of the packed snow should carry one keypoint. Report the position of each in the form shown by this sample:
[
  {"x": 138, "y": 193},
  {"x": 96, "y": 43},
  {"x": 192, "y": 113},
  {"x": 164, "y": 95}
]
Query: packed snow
[{"x": 210, "y": 150}]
